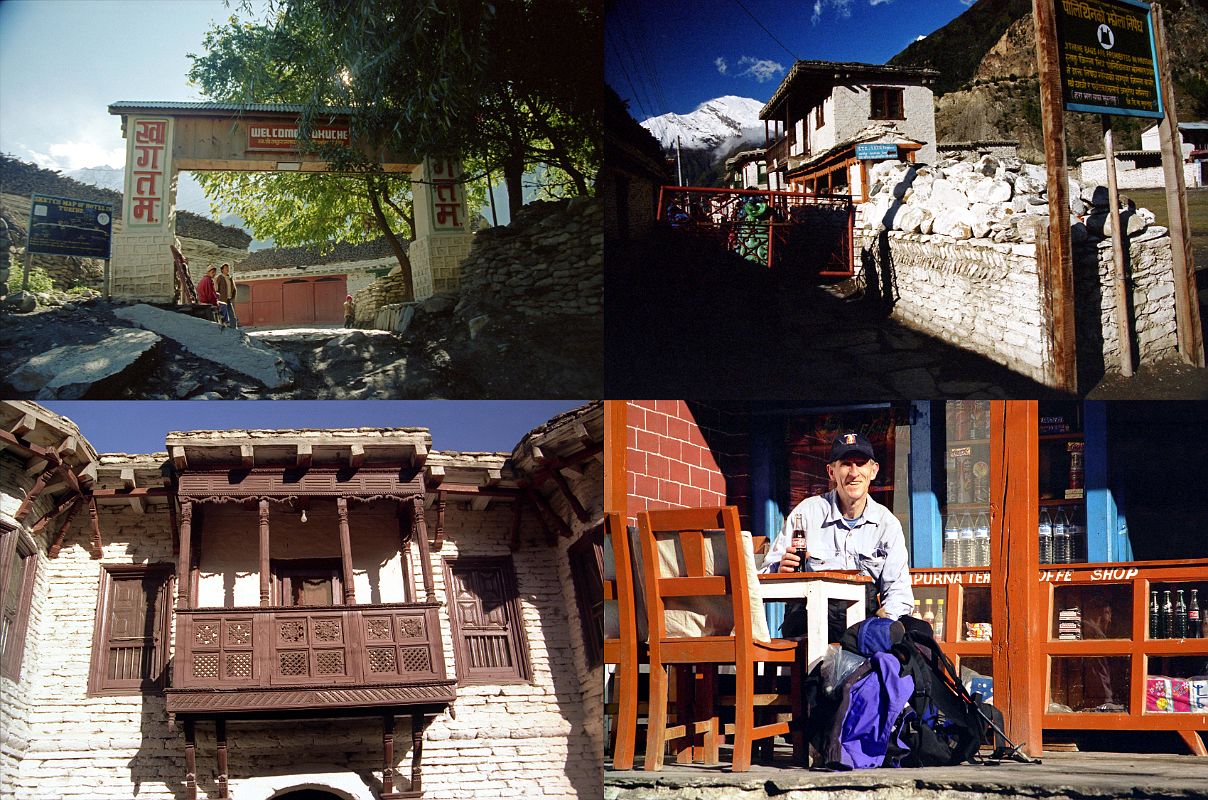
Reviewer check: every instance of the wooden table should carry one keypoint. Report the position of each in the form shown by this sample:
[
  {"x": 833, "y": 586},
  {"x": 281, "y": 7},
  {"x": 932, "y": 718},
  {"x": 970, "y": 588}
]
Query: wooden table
[{"x": 817, "y": 589}]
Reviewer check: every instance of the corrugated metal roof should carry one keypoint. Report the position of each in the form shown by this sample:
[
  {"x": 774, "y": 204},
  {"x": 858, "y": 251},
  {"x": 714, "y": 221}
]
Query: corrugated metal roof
[{"x": 123, "y": 106}]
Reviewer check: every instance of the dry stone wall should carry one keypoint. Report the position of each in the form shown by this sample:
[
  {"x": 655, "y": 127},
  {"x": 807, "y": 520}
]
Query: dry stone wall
[
  {"x": 956, "y": 245},
  {"x": 388, "y": 290}
]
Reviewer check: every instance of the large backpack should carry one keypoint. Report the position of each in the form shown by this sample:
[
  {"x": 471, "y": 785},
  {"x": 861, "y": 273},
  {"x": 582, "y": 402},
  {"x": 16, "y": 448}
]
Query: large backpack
[{"x": 904, "y": 706}]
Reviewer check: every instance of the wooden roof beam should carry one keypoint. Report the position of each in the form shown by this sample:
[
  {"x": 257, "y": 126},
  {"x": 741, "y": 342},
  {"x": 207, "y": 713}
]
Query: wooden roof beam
[
  {"x": 57, "y": 543},
  {"x": 179, "y": 459},
  {"x": 128, "y": 479},
  {"x": 247, "y": 456},
  {"x": 87, "y": 476},
  {"x": 575, "y": 505},
  {"x": 26, "y": 423},
  {"x": 420, "y": 456},
  {"x": 356, "y": 456},
  {"x": 559, "y": 524},
  {"x": 304, "y": 455}
]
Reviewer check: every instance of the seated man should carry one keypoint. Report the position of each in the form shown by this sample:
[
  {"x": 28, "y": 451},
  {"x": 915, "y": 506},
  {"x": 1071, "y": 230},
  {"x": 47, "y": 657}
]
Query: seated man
[{"x": 846, "y": 529}]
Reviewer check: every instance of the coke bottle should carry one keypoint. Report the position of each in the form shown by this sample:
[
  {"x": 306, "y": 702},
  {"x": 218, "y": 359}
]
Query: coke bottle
[
  {"x": 1180, "y": 616},
  {"x": 1155, "y": 616},
  {"x": 1193, "y": 616},
  {"x": 1167, "y": 616}
]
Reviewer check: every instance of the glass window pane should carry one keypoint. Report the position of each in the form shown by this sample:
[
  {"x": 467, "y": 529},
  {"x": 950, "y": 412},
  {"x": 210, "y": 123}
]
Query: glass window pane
[
  {"x": 1089, "y": 684},
  {"x": 1098, "y": 611},
  {"x": 966, "y": 508},
  {"x": 976, "y": 615},
  {"x": 1174, "y": 610},
  {"x": 1177, "y": 685}
]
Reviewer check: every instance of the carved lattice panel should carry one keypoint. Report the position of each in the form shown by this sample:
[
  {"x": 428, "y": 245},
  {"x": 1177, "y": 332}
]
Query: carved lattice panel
[
  {"x": 329, "y": 662},
  {"x": 291, "y": 632},
  {"x": 415, "y": 659},
  {"x": 377, "y": 629},
  {"x": 205, "y": 665},
  {"x": 205, "y": 634},
  {"x": 382, "y": 660},
  {"x": 410, "y": 627},
  {"x": 239, "y": 633},
  {"x": 327, "y": 630},
  {"x": 239, "y": 665},
  {"x": 292, "y": 662}
]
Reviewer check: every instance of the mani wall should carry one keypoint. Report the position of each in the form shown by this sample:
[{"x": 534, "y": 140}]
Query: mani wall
[
  {"x": 953, "y": 247},
  {"x": 203, "y": 241}
]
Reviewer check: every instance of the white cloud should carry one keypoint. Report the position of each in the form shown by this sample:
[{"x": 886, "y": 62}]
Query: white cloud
[
  {"x": 720, "y": 63},
  {"x": 842, "y": 8},
  {"x": 761, "y": 69},
  {"x": 919, "y": 38},
  {"x": 879, "y": 2}
]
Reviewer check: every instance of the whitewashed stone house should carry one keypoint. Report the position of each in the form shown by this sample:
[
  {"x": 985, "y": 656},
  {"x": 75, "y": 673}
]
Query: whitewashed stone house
[
  {"x": 821, "y": 110},
  {"x": 300, "y": 614}
]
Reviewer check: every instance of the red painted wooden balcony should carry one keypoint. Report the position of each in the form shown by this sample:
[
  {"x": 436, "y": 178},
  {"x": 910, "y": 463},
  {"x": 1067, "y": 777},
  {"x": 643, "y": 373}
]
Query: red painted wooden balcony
[{"x": 239, "y": 660}]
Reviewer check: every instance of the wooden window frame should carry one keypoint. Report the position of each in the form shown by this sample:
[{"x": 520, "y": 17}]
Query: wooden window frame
[
  {"x": 820, "y": 115},
  {"x": 586, "y": 556},
  {"x": 12, "y": 544},
  {"x": 98, "y": 683},
  {"x": 521, "y": 670},
  {"x": 281, "y": 581},
  {"x": 886, "y": 92}
]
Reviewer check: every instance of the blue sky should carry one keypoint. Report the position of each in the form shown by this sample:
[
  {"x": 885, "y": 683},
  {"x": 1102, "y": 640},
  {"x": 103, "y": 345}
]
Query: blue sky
[
  {"x": 140, "y": 426},
  {"x": 673, "y": 55}
]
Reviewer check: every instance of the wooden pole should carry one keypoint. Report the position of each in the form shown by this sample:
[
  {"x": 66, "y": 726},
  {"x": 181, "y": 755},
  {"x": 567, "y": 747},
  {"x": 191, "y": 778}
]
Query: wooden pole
[
  {"x": 615, "y": 484},
  {"x": 1018, "y": 662},
  {"x": 350, "y": 598},
  {"x": 425, "y": 554},
  {"x": 265, "y": 594},
  {"x": 1118, "y": 245},
  {"x": 1186, "y": 301},
  {"x": 183, "y": 593},
  {"x": 1057, "y": 282}
]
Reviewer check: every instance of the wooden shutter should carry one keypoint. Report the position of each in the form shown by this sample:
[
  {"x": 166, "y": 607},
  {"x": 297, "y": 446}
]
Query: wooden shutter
[
  {"x": 587, "y": 572},
  {"x": 17, "y": 574},
  {"x": 485, "y": 612},
  {"x": 129, "y": 649}
]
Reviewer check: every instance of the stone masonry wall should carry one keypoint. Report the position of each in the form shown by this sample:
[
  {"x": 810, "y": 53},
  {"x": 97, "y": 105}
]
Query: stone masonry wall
[
  {"x": 386, "y": 290},
  {"x": 500, "y": 741},
  {"x": 548, "y": 261},
  {"x": 1129, "y": 177},
  {"x": 977, "y": 294}
]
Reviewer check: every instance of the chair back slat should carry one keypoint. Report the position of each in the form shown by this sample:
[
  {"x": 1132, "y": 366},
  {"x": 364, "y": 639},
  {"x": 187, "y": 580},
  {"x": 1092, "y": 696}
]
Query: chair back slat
[
  {"x": 621, "y": 587},
  {"x": 714, "y": 586}
]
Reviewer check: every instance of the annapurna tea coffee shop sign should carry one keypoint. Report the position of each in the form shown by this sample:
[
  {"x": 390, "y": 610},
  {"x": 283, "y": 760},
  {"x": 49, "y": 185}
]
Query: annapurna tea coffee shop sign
[{"x": 276, "y": 136}]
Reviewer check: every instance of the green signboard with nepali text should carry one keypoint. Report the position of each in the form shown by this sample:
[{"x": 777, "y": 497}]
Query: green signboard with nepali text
[
  {"x": 1107, "y": 56},
  {"x": 62, "y": 226}
]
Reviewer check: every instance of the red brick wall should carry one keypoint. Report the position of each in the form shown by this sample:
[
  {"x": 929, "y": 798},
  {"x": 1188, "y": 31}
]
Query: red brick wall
[
  {"x": 681, "y": 455},
  {"x": 668, "y": 462}
]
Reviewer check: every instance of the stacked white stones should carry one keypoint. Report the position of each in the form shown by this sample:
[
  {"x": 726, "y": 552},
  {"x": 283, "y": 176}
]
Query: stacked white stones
[{"x": 1000, "y": 199}]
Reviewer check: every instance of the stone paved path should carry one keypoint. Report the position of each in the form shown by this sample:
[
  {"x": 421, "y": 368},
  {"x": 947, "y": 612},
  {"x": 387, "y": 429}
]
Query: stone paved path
[{"x": 683, "y": 320}]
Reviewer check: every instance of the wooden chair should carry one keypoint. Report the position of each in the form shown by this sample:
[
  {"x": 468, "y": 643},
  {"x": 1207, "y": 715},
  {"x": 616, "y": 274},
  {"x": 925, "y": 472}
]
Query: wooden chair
[
  {"x": 625, "y": 651},
  {"x": 685, "y": 530}
]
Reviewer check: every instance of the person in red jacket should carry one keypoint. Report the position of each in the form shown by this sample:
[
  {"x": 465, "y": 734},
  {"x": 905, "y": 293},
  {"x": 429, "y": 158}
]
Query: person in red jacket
[{"x": 206, "y": 293}]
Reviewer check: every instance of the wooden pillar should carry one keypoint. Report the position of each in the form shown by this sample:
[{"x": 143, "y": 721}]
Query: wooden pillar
[
  {"x": 421, "y": 535},
  {"x": 404, "y": 536},
  {"x": 221, "y": 747},
  {"x": 190, "y": 761},
  {"x": 418, "y": 724},
  {"x": 184, "y": 592},
  {"x": 442, "y": 502},
  {"x": 94, "y": 519},
  {"x": 1186, "y": 302},
  {"x": 1015, "y": 589},
  {"x": 265, "y": 594},
  {"x": 32, "y": 497},
  {"x": 350, "y": 597},
  {"x": 615, "y": 483},
  {"x": 1057, "y": 281},
  {"x": 388, "y": 754},
  {"x": 57, "y": 542},
  {"x": 1119, "y": 244}
]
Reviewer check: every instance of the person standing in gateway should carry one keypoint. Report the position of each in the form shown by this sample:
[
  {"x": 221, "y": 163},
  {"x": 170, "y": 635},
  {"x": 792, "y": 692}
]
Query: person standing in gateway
[
  {"x": 846, "y": 529},
  {"x": 225, "y": 286}
]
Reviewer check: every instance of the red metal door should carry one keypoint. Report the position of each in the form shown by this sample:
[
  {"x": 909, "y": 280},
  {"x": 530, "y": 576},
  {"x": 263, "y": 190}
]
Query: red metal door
[
  {"x": 329, "y": 298},
  {"x": 266, "y": 303},
  {"x": 297, "y": 301}
]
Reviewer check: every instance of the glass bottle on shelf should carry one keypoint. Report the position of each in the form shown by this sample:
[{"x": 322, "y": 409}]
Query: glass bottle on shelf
[
  {"x": 951, "y": 541},
  {"x": 929, "y": 611},
  {"x": 1193, "y": 616},
  {"x": 1180, "y": 616},
  {"x": 1077, "y": 536},
  {"x": 1155, "y": 616},
  {"x": 938, "y": 625},
  {"x": 1167, "y": 616},
  {"x": 1061, "y": 539},
  {"x": 1046, "y": 538},
  {"x": 982, "y": 539},
  {"x": 967, "y": 544},
  {"x": 916, "y": 613}
]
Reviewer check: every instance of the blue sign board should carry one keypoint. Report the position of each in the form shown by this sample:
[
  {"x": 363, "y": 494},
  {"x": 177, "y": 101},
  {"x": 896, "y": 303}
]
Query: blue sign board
[
  {"x": 874, "y": 150},
  {"x": 61, "y": 226},
  {"x": 1107, "y": 57}
]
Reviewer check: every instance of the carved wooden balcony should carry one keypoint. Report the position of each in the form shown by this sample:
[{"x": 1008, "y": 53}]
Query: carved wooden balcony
[
  {"x": 245, "y": 660},
  {"x": 777, "y": 154}
]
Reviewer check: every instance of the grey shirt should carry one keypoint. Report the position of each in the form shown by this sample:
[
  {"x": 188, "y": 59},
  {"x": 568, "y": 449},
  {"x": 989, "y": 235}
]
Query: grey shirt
[{"x": 874, "y": 545}]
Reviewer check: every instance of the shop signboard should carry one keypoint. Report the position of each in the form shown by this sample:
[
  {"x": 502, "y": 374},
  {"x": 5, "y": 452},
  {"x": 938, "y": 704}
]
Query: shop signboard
[
  {"x": 63, "y": 226},
  {"x": 1107, "y": 55},
  {"x": 874, "y": 150}
]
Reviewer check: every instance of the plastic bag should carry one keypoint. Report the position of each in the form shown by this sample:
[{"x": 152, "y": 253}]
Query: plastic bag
[{"x": 837, "y": 664}]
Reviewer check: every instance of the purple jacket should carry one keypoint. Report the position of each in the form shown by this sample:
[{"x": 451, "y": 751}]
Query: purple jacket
[{"x": 869, "y": 713}]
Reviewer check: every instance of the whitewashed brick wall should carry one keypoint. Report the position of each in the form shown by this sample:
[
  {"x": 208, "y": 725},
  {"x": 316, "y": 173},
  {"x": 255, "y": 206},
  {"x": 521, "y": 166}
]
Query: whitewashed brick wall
[{"x": 436, "y": 263}]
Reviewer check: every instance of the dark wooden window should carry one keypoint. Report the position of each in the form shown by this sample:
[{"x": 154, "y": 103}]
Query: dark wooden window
[
  {"x": 886, "y": 102},
  {"x": 819, "y": 116},
  {"x": 130, "y": 643},
  {"x": 18, "y": 564},
  {"x": 308, "y": 582},
  {"x": 587, "y": 572},
  {"x": 485, "y": 610}
]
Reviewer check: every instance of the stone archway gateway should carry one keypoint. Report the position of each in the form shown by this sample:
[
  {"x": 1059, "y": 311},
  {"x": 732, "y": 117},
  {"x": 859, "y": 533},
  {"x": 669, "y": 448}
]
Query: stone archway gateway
[{"x": 163, "y": 138}]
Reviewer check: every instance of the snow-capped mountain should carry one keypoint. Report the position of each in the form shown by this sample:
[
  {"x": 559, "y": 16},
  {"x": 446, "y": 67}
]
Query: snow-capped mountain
[{"x": 719, "y": 125}]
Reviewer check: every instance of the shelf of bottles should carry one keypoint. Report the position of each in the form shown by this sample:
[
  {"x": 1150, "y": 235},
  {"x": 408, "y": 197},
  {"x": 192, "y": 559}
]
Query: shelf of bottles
[
  {"x": 1062, "y": 528},
  {"x": 966, "y": 511}
]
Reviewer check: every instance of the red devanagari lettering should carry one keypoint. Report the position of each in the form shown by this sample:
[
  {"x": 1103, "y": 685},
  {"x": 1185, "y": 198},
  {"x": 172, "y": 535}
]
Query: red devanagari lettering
[
  {"x": 446, "y": 212},
  {"x": 151, "y": 131},
  {"x": 446, "y": 191},
  {"x": 145, "y": 207},
  {"x": 143, "y": 153},
  {"x": 145, "y": 184}
]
